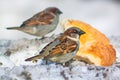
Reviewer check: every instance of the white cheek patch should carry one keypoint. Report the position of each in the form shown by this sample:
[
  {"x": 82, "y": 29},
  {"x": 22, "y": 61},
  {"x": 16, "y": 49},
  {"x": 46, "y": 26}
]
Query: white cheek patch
[{"x": 74, "y": 39}]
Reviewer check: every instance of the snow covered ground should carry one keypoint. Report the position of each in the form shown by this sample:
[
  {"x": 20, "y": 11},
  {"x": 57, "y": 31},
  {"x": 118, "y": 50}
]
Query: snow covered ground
[{"x": 13, "y": 67}]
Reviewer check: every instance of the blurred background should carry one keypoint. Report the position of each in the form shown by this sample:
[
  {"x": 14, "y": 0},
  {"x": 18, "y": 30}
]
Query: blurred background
[{"x": 104, "y": 15}]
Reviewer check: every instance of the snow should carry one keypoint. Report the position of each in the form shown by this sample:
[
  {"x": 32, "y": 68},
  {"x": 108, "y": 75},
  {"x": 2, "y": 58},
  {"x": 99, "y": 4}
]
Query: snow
[
  {"x": 13, "y": 66},
  {"x": 19, "y": 50},
  {"x": 58, "y": 72}
]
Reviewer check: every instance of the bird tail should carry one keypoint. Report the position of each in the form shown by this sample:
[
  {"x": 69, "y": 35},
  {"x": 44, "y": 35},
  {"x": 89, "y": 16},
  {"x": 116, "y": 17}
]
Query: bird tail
[
  {"x": 12, "y": 28},
  {"x": 34, "y": 58}
]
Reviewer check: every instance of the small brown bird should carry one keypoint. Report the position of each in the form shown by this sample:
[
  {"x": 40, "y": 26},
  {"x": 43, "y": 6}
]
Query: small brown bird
[
  {"x": 42, "y": 23},
  {"x": 62, "y": 49}
]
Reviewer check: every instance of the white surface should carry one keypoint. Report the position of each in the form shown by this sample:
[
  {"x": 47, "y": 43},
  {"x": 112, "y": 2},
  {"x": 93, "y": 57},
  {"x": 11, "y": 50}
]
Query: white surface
[
  {"x": 101, "y": 14},
  {"x": 15, "y": 68}
]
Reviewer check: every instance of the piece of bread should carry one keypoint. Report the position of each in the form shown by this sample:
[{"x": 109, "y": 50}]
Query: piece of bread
[{"x": 95, "y": 47}]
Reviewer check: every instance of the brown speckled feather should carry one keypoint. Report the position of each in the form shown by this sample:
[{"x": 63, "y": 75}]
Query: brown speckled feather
[
  {"x": 66, "y": 46},
  {"x": 41, "y": 18},
  {"x": 63, "y": 45}
]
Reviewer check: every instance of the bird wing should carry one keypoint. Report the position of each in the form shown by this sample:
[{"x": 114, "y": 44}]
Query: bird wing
[
  {"x": 66, "y": 46},
  {"x": 42, "y": 18},
  {"x": 59, "y": 46},
  {"x": 45, "y": 50}
]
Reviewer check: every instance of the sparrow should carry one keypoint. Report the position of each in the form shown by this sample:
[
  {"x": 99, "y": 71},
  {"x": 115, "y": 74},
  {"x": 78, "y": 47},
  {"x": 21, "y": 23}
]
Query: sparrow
[
  {"x": 62, "y": 49},
  {"x": 41, "y": 23}
]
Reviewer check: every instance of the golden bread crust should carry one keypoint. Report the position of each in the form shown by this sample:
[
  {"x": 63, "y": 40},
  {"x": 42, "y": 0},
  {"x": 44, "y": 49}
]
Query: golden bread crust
[{"x": 94, "y": 45}]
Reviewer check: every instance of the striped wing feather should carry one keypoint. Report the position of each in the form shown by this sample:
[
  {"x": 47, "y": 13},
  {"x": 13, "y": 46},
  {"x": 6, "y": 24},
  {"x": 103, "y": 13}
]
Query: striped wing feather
[
  {"x": 66, "y": 46},
  {"x": 42, "y": 18}
]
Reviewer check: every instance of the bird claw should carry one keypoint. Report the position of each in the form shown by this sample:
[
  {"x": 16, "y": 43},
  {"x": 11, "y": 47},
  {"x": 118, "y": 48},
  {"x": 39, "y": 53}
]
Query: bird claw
[{"x": 66, "y": 64}]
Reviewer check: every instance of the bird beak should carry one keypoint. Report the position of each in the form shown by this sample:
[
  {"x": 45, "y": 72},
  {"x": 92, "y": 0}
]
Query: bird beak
[
  {"x": 60, "y": 12},
  {"x": 82, "y": 32}
]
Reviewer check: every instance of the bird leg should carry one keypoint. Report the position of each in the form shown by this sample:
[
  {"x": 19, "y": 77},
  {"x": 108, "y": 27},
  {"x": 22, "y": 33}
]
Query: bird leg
[
  {"x": 43, "y": 37},
  {"x": 46, "y": 62},
  {"x": 52, "y": 35},
  {"x": 66, "y": 64}
]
